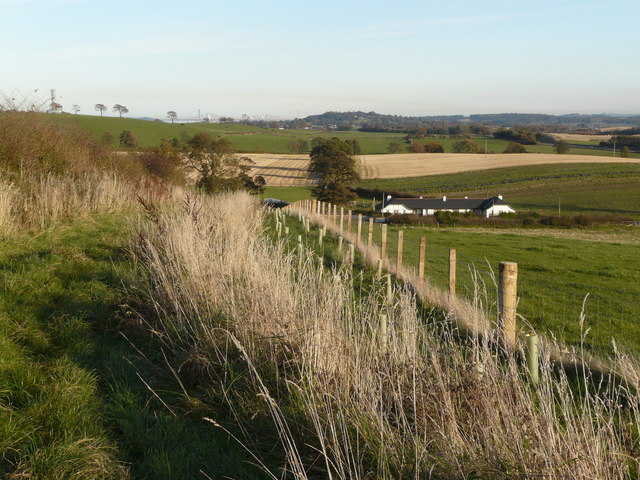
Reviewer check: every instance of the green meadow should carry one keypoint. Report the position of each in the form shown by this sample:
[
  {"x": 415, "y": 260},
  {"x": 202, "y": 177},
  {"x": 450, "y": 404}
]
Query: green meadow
[
  {"x": 555, "y": 277},
  {"x": 580, "y": 188}
]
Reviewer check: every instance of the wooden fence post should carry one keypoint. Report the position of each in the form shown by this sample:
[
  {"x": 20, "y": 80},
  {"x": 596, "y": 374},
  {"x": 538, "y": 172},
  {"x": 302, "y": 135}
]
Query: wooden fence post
[
  {"x": 383, "y": 333},
  {"x": 452, "y": 274},
  {"x": 334, "y": 216},
  {"x": 532, "y": 357},
  {"x": 359, "y": 227},
  {"x": 379, "y": 267},
  {"x": 349, "y": 220},
  {"x": 400, "y": 245},
  {"x": 370, "y": 233},
  {"x": 422, "y": 257},
  {"x": 352, "y": 253},
  {"x": 507, "y": 299},
  {"x": 383, "y": 250},
  {"x": 341, "y": 219},
  {"x": 339, "y": 244},
  {"x": 389, "y": 299}
]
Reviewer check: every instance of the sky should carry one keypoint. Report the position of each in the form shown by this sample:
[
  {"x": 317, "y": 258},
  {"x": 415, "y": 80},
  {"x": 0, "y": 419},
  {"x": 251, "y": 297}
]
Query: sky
[{"x": 288, "y": 59}]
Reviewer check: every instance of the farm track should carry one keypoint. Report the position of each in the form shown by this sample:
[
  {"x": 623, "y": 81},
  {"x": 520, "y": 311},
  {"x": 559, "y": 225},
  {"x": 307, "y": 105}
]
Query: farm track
[{"x": 291, "y": 170}]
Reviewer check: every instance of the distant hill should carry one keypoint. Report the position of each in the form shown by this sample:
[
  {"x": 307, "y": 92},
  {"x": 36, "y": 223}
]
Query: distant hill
[{"x": 372, "y": 121}]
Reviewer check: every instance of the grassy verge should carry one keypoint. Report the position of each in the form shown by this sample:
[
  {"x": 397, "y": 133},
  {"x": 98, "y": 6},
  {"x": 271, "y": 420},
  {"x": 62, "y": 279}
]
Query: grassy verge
[{"x": 72, "y": 402}]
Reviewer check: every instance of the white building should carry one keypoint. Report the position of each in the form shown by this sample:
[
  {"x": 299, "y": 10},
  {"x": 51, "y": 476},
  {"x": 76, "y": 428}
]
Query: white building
[{"x": 487, "y": 207}]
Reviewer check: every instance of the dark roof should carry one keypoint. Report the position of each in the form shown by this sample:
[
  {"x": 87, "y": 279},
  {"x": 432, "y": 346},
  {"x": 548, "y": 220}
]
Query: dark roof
[{"x": 450, "y": 203}]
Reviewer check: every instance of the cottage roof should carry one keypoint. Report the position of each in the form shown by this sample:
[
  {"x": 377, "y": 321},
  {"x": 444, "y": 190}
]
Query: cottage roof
[{"x": 445, "y": 203}]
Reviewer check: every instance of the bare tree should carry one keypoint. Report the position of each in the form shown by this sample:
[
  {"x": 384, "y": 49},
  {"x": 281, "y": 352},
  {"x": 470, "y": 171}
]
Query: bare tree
[
  {"x": 101, "y": 108},
  {"x": 120, "y": 109},
  {"x": 76, "y": 108},
  {"x": 171, "y": 115}
]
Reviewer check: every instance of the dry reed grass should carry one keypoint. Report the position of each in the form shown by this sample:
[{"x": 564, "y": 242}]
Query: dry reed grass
[{"x": 418, "y": 403}]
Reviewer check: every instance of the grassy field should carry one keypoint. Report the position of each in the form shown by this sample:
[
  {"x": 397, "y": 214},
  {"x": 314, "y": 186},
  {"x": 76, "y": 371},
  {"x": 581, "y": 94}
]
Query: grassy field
[
  {"x": 582, "y": 188},
  {"x": 247, "y": 138},
  {"x": 244, "y": 137},
  {"x": 555, "y": 276}
]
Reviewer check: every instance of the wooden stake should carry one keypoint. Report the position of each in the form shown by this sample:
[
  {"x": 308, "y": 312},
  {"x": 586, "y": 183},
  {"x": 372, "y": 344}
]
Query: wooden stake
[
  {"x": 352, "y": 253},
  {"x": 335, "y": 214},
  {"x": 507, "y": 300},
  {"x": 532, "y": 357},
  {"x": 452, "y": 274},
  {"x": 423, "y": 248},
  {"x": 359, "y": 227},
  {"x": 339, "y": 244},
  {"x": 370, "y": 233},
  {"x": 389, "y": 290},
  {"x": 349, "y": 220},
  {"x": 341, "y": 219},
  {"x": 400, "y": 244},
  {"x": 379, "y": 267},
  {"x": 383, "y": 251},
  {"x": 383, "y": 333}
]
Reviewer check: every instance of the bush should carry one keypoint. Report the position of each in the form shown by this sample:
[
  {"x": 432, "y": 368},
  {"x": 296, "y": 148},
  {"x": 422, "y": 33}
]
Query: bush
[
  {"x": 515, "y": 148},
  {"x": 433, "y": 148},
  {"x": 466, "y": 146}
]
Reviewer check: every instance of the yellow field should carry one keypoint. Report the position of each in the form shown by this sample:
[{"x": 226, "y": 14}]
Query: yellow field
[
  {"x": 579, "y": 137},
  {"x": 284, "y": 170}
]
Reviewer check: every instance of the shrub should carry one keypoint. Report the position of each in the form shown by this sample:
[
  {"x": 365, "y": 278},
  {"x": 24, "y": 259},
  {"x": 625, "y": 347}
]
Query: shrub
[
  {"x": 515, "y": 148},
  {"x": 433, "y": 148},
  {"x": 466, "y": 146}
]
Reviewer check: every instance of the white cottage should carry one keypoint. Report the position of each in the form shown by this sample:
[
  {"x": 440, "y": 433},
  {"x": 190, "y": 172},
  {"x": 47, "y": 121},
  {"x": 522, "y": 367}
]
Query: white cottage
[{"x": 487, "y": 207}]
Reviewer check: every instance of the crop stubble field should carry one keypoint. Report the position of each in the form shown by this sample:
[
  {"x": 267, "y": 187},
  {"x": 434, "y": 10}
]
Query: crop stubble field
[{"x": 283, "y": 170}]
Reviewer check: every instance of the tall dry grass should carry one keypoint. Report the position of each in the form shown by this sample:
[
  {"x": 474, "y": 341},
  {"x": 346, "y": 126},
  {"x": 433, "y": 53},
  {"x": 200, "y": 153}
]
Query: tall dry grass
[
  {"x": 49, "y": 172},
  {"x": 283, "y": 335}
]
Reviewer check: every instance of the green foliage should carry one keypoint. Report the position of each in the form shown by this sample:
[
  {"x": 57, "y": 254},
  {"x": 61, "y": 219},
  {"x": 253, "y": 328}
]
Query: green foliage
[
  {"x": 433, "y": 147},
  {"x": 519, "y": 134},
  {"x": 515, "y": 148},
  {"x": 332, "y": 162},
  {"x": 356, "y": 149},
  {"x": 561, "y": 147},
  {"x": 394, "y": 147},
  {"x": 219, "y": 169},
  {"x": 624, "y": 153},
  {"x": 127, "y": 140},
  {"x": 466, "y": 146}
]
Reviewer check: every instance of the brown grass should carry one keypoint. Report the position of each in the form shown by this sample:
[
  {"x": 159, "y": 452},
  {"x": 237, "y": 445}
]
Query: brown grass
[
  {"x": 281, "y": 335},
  {"x": 285, "y": 170}
]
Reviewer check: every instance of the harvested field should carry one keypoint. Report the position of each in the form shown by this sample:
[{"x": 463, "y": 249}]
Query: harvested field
[
  {"x": 414, "y": 165},
  {"x": 280, "y": 169},
  {"x": 287, "y": 170},
  {"x": 580, "y": 137}
]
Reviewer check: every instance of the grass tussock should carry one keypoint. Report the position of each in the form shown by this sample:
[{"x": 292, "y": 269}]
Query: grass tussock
[{"x": 285, "y": 338}]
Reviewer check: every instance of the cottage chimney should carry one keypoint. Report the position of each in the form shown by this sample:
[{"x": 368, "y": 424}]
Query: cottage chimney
[
  {"x": 444, "y": 198},
  {"x": 500, "y": 197}
]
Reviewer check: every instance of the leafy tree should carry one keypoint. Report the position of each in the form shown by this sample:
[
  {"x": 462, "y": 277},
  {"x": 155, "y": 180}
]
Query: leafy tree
[
  {"x": 76, "y": 108},
  {"x": 298, "y": 145},
  {"x": 515, "y": 148},
  {"x": 164, "y": 162},
  {"x": 355, "y": 145},
  {"x": 467, "y": 146},
  {"x": 416, "y": 147},
  {"x": 101, "y": 108},
  {"x": 433, "y": 148},
  {"x": 120, "y": 109},
  {"x": 333, "y": 163},
  {"x": 624, "y": 153},
  {"x": 127, "y": 139},
  {"x": 218, "y": 167},
  {"x": 394, "y": 147},
  {"x": 171, "y": 115},
  {"x": 561, "y": 146}
]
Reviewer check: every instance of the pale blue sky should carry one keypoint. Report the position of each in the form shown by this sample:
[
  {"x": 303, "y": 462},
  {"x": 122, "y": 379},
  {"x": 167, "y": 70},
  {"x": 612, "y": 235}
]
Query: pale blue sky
[{"x": 292, "y": 58}]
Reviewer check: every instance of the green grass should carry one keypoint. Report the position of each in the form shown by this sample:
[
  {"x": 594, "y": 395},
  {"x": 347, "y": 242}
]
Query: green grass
[
  {"x": 555, "y": 275},
  {"x": 244, "y": 137},
  {"x": 583, "y": 188},
  {"x": 72, "y": 404}
]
